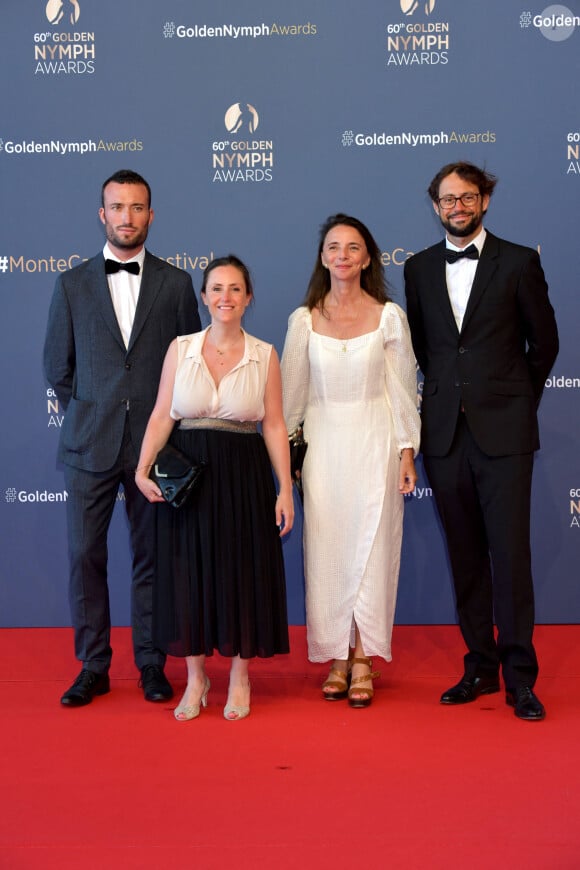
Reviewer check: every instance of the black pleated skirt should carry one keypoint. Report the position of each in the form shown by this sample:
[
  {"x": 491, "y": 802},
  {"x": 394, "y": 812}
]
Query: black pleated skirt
[{"x": 219, "y": 581}]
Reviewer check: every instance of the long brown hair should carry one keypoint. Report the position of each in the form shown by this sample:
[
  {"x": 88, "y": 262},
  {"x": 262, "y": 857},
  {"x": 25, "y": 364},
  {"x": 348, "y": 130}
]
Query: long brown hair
[{"x": 372, "y": 278}]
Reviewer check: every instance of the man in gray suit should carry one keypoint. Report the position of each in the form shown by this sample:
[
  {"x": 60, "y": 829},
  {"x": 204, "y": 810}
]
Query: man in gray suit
[{"x": 111, "y": 320}]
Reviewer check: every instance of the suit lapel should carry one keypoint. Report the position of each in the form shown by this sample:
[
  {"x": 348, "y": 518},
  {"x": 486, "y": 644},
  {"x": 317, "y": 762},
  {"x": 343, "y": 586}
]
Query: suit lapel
[
  {"x": 103, "y": 294},
  {"x": 486, "y": 268},
  {"x": 439, "y": 285},
  {"x": 150, "y": 285}
]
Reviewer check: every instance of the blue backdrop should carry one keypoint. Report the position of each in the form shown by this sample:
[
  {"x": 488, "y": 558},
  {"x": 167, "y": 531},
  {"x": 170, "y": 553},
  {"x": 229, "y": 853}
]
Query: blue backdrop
[{"x": 253, "y": 122}]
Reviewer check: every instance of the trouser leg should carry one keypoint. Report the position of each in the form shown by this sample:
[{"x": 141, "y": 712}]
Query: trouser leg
[
  {"x": 90, "y": 503},
  {"x": 484, "y": 503},
  {"x": 460, "y": 512},
  {"x": 505, "y": 492},
  {"x": 142, "y": 525}
]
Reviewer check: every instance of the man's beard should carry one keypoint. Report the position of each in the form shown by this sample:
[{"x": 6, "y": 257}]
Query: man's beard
[
  {"x": 467, "y": 229},
  {"x": 121, "y": 242}
]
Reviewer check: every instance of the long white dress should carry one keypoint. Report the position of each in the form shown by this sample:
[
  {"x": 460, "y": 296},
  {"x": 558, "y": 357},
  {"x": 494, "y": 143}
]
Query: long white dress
[{"x": 358, "y": 401}]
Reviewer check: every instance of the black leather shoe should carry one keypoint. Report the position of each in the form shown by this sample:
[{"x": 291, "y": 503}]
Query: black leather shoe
[
  {"x": 155, "y": 685},
  {"x": 525, "y": 703},
  {"x": 469, "y": 689},
  {"x": 85, "y": 687}
]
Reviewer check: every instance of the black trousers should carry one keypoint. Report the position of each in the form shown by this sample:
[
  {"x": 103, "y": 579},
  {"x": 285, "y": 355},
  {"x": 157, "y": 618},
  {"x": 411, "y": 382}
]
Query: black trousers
[
  {"x": 484, "y": 505},
  {"x": 91, "y": 500}
]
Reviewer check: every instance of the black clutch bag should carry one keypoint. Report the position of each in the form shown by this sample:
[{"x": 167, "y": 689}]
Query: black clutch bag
[
  {"x": 175, "y": 475},
  {"x": 298, "y": 448}
]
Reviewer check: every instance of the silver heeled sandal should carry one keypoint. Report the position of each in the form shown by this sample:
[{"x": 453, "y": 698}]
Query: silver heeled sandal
[
  {"x": 185, "y": 712},
  {"x": 239, "y": 711}
]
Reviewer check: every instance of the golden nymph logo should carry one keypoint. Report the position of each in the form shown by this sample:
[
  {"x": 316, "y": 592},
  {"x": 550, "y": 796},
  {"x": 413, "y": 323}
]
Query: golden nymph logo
[
  {"x": 240, "y": 116},
  {"x": 58, "y": 11},
  {"x": 409, "y": 7},
  {"x": 65, "y": 51},
  {"x": 242, "y": 157},
  {"x": 416, "y": 42}
]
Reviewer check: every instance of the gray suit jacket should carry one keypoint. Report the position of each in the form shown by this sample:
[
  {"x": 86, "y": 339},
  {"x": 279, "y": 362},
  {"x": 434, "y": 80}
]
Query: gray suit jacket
[{"x": 99, "y": 383}]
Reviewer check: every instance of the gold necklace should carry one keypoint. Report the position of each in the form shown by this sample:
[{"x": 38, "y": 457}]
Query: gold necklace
[{"x": 222, "y": 353}]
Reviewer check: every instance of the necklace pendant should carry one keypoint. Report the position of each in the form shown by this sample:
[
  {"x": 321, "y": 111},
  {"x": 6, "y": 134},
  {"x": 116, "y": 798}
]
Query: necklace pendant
[{"x": 344, "y": 348}]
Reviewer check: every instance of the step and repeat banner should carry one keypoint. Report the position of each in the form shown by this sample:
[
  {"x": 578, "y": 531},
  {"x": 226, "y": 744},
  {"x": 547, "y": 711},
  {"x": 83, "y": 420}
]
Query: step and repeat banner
[{"x": 254, "y": 121}]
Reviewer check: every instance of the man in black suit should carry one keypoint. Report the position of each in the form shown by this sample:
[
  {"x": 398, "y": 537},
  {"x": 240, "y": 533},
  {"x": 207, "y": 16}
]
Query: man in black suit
[
  {"x": 111, "y": 320},
  {"x": 485, "y": 337}
]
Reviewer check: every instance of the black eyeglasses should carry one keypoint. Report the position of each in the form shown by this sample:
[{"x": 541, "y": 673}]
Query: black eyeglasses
[{"x": 466, "y": 199}]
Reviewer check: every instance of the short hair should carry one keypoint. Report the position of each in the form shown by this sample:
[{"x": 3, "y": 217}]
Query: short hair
[
  {"x": 229, "y": 260},
  {"x": 372, "y": 278},
  {"x": 125, "y": 176},
  {"x": 483, "y": 180}
]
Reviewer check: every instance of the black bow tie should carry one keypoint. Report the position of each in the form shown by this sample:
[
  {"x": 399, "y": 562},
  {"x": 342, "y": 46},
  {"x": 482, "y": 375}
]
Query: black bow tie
[
  {"x": 113, "y": 266},
  {"x": 453, "y": 256}
]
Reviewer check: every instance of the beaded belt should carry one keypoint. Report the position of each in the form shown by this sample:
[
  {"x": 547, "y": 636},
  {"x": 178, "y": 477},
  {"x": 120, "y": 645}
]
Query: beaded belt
[{"x": 247, "y": 426}]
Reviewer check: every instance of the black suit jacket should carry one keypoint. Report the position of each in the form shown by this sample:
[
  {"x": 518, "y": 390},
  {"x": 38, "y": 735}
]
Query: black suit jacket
[
  {"x": 496, "y": 367},
  {"x": 97, "y": 380}
]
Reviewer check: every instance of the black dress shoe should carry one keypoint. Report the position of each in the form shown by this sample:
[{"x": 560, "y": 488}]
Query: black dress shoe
[
  {"x": 155, "y": 685},
  {"x": 85, "y": 687},
  {"x": 525, "y": 703},
  {"x": 469, "y": 689}
]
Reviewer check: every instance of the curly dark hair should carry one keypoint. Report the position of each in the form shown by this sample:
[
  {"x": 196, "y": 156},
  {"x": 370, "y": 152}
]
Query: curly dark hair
[{"x": 483, "y": 180}]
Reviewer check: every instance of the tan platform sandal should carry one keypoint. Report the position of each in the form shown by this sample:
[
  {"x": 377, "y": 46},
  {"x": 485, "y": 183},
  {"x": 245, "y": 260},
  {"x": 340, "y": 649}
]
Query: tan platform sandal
[
  {"x": 367, "y": 693},
  {"x": 341, "y": 683}
]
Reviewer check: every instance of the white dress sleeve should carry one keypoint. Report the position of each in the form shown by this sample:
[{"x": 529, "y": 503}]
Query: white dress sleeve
[
  {"x": 296, "y": 367},
  {"x": 401, "y": 377}
]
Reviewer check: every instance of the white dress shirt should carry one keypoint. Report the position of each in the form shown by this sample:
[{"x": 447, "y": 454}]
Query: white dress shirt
[
  {"x": 124, "y": 289},
  {"x": 460, "y": 277}
]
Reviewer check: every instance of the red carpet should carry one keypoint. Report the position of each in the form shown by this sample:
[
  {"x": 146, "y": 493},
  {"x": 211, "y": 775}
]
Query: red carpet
[{"x": 301, "y": 782}]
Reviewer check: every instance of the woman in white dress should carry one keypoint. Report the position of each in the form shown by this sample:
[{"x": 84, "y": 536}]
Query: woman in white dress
[{"x": 349, "y": 373}]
